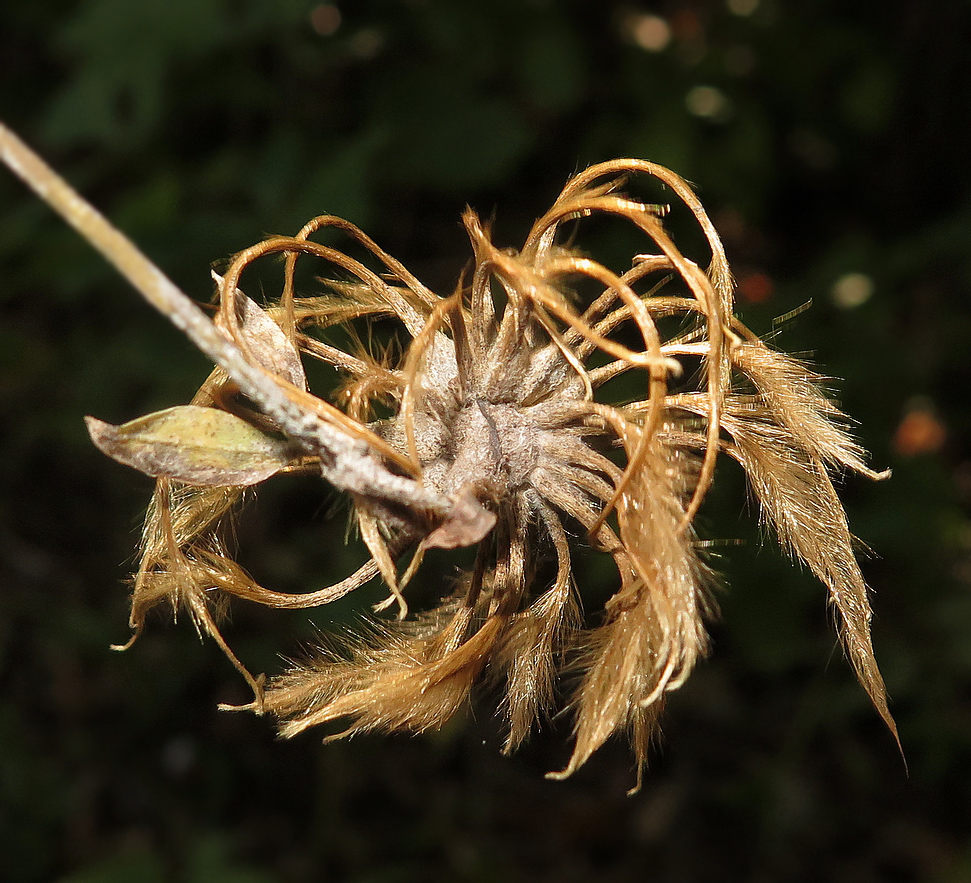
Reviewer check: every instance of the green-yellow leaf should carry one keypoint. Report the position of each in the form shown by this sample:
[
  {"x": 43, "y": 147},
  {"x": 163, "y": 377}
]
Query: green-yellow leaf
[{"x": 195, "y": 445}]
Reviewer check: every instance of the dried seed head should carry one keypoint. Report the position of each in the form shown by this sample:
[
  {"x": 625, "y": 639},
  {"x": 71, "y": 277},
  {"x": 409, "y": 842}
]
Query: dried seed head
[
  {"x": 496, "y": 405},
  {"x": 493, "y": 428}
]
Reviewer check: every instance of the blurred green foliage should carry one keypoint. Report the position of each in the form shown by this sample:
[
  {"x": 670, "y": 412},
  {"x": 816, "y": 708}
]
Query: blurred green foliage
[{"x": 829, "y": 142}]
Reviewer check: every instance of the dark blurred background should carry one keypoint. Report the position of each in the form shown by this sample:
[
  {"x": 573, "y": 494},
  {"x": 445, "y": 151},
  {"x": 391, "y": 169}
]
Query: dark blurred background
[{"x": 830, "y": 142}]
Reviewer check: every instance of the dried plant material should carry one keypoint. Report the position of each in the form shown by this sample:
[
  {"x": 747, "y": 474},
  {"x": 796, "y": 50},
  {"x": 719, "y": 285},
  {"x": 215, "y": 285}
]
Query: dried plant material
[
  {"x": 494, "y": 426},
  {"x": 263, "y": 339}
]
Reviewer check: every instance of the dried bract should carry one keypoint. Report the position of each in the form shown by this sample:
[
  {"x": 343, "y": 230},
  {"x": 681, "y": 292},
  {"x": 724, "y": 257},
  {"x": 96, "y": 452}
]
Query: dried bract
[{"x": 495, "y": 427}]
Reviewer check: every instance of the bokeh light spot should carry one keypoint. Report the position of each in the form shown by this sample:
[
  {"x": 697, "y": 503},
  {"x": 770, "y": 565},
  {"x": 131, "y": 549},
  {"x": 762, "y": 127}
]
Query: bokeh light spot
[
  {"x": 708, "y": 102},
  {"x": 852, "y": 290},
  {"x": 920, "y": 431},
  {"x": 650, "y": 32},
  {"x": 742, "y": 7},
  {"x": 325, "y": 19}
]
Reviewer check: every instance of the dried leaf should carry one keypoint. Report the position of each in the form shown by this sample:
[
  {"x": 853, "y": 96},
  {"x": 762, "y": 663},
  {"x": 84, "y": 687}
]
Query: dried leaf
[
  {"x": 266, "y": 340},
  {"x": 199, "y": 446},
  {"x": 468, "y": 522}
]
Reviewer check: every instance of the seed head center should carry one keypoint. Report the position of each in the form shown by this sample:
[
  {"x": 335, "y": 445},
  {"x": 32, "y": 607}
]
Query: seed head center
[{"x": 495, "y": 448}]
